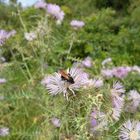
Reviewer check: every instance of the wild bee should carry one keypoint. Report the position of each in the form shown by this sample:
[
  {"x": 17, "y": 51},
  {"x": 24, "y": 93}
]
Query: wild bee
[{"x": 66, "y": 76}]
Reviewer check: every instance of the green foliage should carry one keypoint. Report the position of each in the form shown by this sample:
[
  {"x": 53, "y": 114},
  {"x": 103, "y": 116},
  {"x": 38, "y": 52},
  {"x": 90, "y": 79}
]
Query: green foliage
[{"x": 111, "y": 30}]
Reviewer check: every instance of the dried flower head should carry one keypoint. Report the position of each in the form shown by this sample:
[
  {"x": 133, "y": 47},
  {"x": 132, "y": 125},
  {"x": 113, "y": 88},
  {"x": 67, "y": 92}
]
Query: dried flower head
[
  {"x": 107, "y": 60},
  {"x": 130, "y": 130},
  {"x": 30, "y": 36}
]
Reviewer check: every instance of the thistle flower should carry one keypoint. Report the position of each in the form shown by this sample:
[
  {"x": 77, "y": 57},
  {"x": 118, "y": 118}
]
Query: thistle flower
[
  {"x": 56, "y": 122},
  {"x": 87, "y": 62},
  {"x": 107, "y": 73},
  {"x": 4, "y": 131},
  {"x": 107, "y": 60},
  {"x": 30, "y": 36},
  {"x": 4, "y": 35},
  {"x": 2, "y": 80},
  {"x": 56, "y": 12},
  {"x": 133, "y": 101},
  {"x": 98, "y": 121},
  {"x": 56, "y": 85},
  {"x": 120, "y": 72},
  {"x": 116, "y": 112},
  {"x": 130, "y": 130},
  {"x": 118, "y": 88},
  {"x": 11, "y": 33},
  {"x": 117, "y": 99},
  {"x": 94, "y": 83},
  {"x": 40, "y": 4},
  {"x": 76, "y": 24}
]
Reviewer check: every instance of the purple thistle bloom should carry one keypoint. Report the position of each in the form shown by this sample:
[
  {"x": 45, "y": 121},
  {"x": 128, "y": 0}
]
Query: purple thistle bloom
[
  {"x": 107, "y": 73},
  {"x": 130, "y": 130},
  {"x": 4, "y": 35},
  {"x": 56, "y": 122},
  {"x": 76, "y": 24},
  {"x": 98, "y": 121},
  {"x": 56, "y": 85},
  {"x": 4, "y": 131},
  {"x": 2, "y": 80},
  {"x": 117, "y": 99},
  {"x": 40, "y": 4},
  {"x": 133, "y": 101},
  {"x": 87, "y": 62},
  {"x": 56, "y": 12},
  {"x": 120, "y": 72}
]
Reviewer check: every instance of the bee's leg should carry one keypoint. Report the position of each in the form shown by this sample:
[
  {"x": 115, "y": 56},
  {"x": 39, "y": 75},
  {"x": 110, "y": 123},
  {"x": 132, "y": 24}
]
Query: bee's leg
[{"x": 72, "y": 91}]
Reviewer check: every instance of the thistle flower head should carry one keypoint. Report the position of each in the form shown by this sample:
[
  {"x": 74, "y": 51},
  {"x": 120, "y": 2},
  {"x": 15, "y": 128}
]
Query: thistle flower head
[
  {"x": 87, "y": 62},
  {"x": 76, "y": 24},
  {"x": 107, "y": 73},
  {"x": 56, "y": 12},
  {"x": 120, "y": 72},
  {"x": 4, "y": 131},
  {"x": 133, "y": 101},
  {"x": 118, "y": 88},
  {"x": 98, "y": 121},
  {"x": 2, "y": 80},
  {"x": 56, "y": 85},
  {"x": 130, "y": 130},
  {"x": 56, "y": 122},
  {"x": 40, "y": 4}
]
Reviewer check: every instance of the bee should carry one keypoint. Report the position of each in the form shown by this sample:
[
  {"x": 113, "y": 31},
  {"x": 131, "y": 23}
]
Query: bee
[{"x": 66, "y": 76}]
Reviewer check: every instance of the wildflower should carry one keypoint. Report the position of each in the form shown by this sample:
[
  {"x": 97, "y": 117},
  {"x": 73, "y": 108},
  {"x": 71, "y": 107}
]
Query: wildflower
[
  {"x": 56, "y": 85},
  {"x": 107, "y": 60},
  {"x": 118, "y": 88},
  {"x": 117, "y": 99},
  {"x": 87, "y": 62},
  {"x": 2, "y": 80},
  {"x": 30, "y": 36},
  {"x": 4, "y": 131},
  {"x": 56, "y": 122},
  {"x": 120, "y": 72},
  {"x": 56, "y": 12},
  {"x": 107, "y": 73},
  {"x": 40, "y": 4},
  {"x": 94, "y": 83},
  {"x": 3, "y": 37},
  {"x": 133, "y": 101},
  {"x": 116, "y": 112},
  {"x": 98, "y": 121},
  {"x": 11, "y": 33},
  {"x": 76, "y": 24},
  {"x": 130, "y": 130}
]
